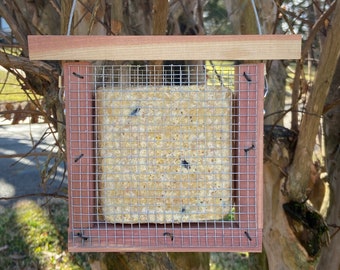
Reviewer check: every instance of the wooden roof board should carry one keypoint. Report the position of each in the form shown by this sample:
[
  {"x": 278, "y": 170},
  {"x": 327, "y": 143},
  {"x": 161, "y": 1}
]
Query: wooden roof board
[{"x": 222, "y": 47}]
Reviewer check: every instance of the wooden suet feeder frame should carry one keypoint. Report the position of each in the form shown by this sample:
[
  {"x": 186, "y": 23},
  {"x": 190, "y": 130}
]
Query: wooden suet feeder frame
[{"x": 226, "y": 214}]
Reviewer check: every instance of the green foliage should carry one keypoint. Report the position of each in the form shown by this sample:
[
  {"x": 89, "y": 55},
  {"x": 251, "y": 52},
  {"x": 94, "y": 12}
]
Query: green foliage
[
  {"x": 230, "y": 216},
  {"x": 11, "y": 241},
  {"x": 216, "y": 18},
  {"x": 228, "y": 261}
]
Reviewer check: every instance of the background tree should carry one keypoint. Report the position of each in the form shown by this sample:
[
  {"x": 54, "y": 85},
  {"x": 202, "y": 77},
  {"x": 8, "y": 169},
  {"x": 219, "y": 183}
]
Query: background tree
[
  {"x": 287, "y": 240},
  {"x": 95, "y": 17},
  {"x": 287, "y": 179},
  {"x": 329, "y": 254},
  {"x": 243, "y": 21}
]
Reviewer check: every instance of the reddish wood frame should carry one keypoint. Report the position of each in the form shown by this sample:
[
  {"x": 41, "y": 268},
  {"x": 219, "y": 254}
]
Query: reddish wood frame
[{"x": 91, "y": 237}]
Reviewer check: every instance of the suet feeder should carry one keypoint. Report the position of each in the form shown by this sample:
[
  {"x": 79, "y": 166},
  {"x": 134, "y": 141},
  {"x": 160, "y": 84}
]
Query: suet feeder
[{"x": 164, "y": 157}]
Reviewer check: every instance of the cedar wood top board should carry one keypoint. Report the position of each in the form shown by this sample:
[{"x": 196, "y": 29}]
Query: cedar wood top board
[{"x": 223, "y": 47}]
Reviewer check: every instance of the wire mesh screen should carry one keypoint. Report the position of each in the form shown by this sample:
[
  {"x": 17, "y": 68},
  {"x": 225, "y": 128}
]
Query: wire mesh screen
[{"x": 164, "y": 157}]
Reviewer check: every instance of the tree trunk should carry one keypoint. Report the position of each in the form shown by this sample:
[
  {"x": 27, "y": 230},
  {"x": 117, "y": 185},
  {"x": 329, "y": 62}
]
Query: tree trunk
[
  {"x": 151, "y": 260},
  {"x": 159, "y": 27},
  {"x": 243, "y": 20},
  {"x": 88, "y": 18},
  {"x": 117, "y": 18},
  {"x": 277, "y": 228},
  {"x": 140, "y": 17},
  {"x": 242, "y": 17},
  {"x": 299, "y": 172},
  {"x": 274, "y": 102},
  {"x": 281, "y": 245},
  {"x": 186, "y": 18},
  {"x": 330, "y": 258}
]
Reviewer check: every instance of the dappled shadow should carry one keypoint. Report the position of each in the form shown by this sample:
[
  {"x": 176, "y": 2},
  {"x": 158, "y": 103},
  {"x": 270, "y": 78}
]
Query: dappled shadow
[
  {"x": 33, "y": 231},
  {"x": 35, "y": 237},
  {"x": 20, "y": 175}
]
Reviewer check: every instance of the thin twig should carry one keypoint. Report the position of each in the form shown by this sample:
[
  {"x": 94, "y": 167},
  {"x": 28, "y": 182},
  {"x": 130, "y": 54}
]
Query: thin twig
[
  {"x": 42, "y": 194},
  {"x": 336, "y": 231},
  {"x": 5, "y": 82},
  {"x": 23, "y": 155},
  {"x": 32, "y": 149},
  {"x": 97, "y": 19},
  {"x": 56, "y": 6},
  {"x": 216, "y": 73},
  {"x": 93, "y": 16}
]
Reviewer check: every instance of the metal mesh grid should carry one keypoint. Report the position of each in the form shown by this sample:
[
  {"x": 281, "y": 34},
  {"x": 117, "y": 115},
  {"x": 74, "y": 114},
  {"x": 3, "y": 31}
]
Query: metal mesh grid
[{"x": 164, "y": 157}]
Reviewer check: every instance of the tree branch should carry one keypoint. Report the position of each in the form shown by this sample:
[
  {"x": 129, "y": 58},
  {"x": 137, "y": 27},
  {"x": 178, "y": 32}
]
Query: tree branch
[
  {"x": 39, "y": 68},
  {"x": 299, "y": 172},
  {"x": 16, "y": 27},
  {"x": 42, "y": 194},
  {"x": 299, "y": 64}
]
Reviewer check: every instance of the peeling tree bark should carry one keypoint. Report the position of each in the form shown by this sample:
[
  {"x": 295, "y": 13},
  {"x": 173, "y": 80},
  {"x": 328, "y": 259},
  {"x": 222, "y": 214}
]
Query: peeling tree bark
[
  {"x": 283, "y": 248},
  {"x": 330, "y": 258},
  {"x": 116, "y": 7},
  {"x": 299, "y": 64}
]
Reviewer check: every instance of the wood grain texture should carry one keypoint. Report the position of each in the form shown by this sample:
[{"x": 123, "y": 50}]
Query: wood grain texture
[{"x": 239, "y": 47}]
